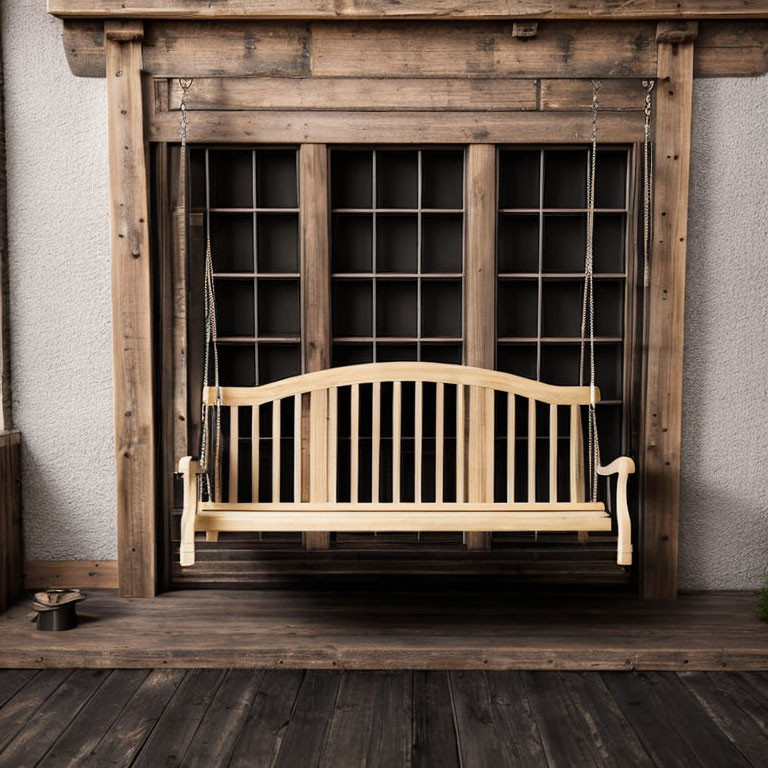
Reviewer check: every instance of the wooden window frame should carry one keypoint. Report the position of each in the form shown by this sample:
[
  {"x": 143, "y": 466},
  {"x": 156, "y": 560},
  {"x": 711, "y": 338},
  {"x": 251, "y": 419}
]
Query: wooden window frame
[{"x": 132, "y": 121}]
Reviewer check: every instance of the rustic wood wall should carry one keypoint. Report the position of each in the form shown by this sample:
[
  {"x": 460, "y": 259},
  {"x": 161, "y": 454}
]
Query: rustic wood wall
[{"x": 10, "y": 518}]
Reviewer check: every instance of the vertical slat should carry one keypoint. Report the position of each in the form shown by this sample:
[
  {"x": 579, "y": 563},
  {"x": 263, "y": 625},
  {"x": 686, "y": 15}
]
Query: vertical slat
[
  {"x": 354, "y": 443},
  {"x": 375, "y": 441},
  {"x": 662, "y": 421},
  {"x": 315, "y": 286},
  {"x": 418, "y": 429},
  {"x": 276, "y": 450},
  {"x": 297, "y": 448},
  {"x": 397, "y": 407},
  {"x": 234, "y": 452},
  {"x": 460, "y": 442},
  {"x": 131, "y": 314},
  {"x": 511, "y": 445},
  {"x": 531, "y": 449},
  {"x": 576, "y": 455},
  {"x": 480, "y": 278},
  {"x": 439, "y": 438},
  {"x": 255, "y": 445},
  {"x": 480, "y": 451},
  {"x": 553, "y": 453},
  {"x": 318, "y": 449},
  {"x": 333, "y": 440}
]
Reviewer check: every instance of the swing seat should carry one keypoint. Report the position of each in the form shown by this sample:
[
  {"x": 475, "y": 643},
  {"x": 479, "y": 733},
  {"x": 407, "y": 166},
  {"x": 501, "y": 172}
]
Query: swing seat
[{"x": 374, "y": 447}]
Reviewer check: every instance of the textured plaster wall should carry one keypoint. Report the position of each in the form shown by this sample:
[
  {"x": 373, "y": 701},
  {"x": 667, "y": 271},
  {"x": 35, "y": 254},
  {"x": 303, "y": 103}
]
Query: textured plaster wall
[
  {"x": 58, "y": 217},
  {"x": 724, "y": 517},
  {"x": 60, "y": 290}
]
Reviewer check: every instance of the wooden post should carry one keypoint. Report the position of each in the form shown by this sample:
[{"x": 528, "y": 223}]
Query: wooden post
[
  {"x": 663, "y": 401},
  {"x": 315, "y": 275},
  {"x": 131, "y": 312},
  {"x": 480, "y": 287}
]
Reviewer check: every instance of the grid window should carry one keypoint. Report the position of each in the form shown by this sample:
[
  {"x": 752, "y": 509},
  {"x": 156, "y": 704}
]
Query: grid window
[
  {"x": 249, "y": 199},
  {"x": 541, "y": 244},
  {"x": 397, "y": 254}
]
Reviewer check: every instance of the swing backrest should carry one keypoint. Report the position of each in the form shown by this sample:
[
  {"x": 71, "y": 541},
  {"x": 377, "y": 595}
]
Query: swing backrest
[{"x": 387, "y": 432}]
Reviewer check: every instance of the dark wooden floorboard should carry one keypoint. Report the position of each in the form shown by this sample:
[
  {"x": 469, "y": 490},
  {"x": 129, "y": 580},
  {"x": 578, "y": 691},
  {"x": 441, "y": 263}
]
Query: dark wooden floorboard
[
  {"x": 434, "y": 735},
  {"x": 479, "y": 741},
  {"x": 737, "y": 712},
  {"x": 514, "y": 720},
  {"x": 94, "y": 720},
  {"x": 614, "y": 737},
  {"x": 124, "y": 739},
  {"x": 304, "y": 740},
  {"x": 12, "y": 680},
  {"x": 53, "y": 716},
  {"x": 350, "y": 719},
  {"x": 20, "y": 708},
  {"x": 181, "y": 718},
  {"x": 271, "y": 710},
  {"x": 564, "y": 734},
  {"x": 215, "y": 737}
]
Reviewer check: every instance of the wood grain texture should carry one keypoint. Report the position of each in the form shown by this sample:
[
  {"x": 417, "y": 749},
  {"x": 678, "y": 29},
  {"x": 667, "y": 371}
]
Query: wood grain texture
[
  {"x": 480, "y": 316},
  {"x": 101, "y": 574},
  {"x": 354, "y": 93},
  {"x": 437, "y": 50},
  {"x": 410, "y": 9},
  {"x": 333, "y": 127},
  {"x": 666, "y": 300},
  {"x": 446, "y": 627},
  {"x": 131, "y": 319},
  {"x": 11, "y": 544}
]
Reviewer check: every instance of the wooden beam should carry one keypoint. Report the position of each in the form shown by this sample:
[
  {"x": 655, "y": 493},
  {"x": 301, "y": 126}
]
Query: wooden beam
[
  {"x": 11, "y": 545},
  {"x": 347, "y": 127},
  {"x": 479, "y": 304},
  {"x": 315, "y": 272},
  {"x": 353, "y": 93},
  {"x": 472, "y": 50},
  {"x": 131, "y": 318},
  {"x": 571, "y": 95},
  {"x": 411, "y": 9},
  {"x": 40, "y": 574},
  {"x": 666, "y": 295}
]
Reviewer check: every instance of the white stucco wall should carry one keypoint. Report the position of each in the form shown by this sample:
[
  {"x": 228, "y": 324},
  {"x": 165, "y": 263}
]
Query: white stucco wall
[
  {"x": 60, "y": 305},
  {"x": 60, "y": 311}
]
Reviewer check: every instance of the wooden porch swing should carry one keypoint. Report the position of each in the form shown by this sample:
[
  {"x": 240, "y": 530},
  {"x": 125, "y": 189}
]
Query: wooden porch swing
[{"x": 460, "y": 404}]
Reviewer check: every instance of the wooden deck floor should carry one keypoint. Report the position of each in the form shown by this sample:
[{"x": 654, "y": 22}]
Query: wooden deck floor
[
  {"x": 291, "y": 718},
  {"x": 382, "y": 629}
]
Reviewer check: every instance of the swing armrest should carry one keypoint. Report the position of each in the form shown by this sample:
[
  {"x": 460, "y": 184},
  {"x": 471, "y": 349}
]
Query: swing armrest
[
  {"x": 623, "y": 467},
  {"x": 189, "y": 468}
]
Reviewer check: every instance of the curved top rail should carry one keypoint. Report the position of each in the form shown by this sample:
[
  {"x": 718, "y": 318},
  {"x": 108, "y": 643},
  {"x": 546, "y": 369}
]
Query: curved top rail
[{"x": 370, "y": 373}]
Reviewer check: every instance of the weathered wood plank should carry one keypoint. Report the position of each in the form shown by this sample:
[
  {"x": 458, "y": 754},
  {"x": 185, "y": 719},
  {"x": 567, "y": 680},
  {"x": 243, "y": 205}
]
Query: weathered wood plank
[
  {"x": 224, "y": 720},
  {"x": 11, "y": 545},
  {"x": 95, "y": 719},
  {"x": 434, "y": 735},
  {"x": 52, "y": 717},
  {"x": 570, "y": 94},
  {"x": 355, "y": 93},
  {"x": 480, "y": 317},
  {"x": 307, "y": 732},
  {"x": 261, "y": 736},
  {"x": 131, "y": 319},
  {"x": 325, "y": 126},
  {"x": 666, "y": 303},
  {"x": 176, "y": 727},
  {"x": 410, "y": 9},
  {"x": 126, "y": 736},
  {"x": 583, "y": 49}
]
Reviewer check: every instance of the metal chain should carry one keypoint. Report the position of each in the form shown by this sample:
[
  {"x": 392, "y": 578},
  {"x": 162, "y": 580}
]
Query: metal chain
[
  {"x": 647, "y": 183},
  {"x": 588, "y": 305}
]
